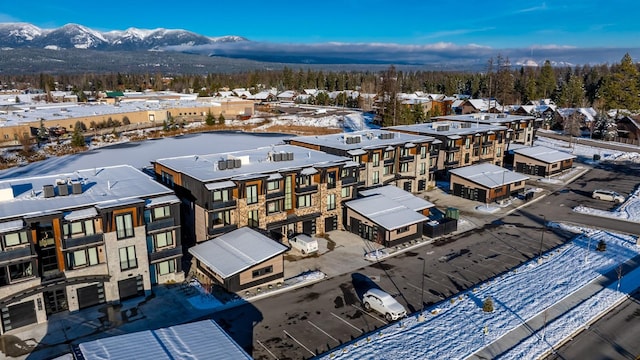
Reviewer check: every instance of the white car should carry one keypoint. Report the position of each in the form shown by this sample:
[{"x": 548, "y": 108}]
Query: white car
[
  {"x": 607, "y": 195},
  {"x": 384, "y": 304}
]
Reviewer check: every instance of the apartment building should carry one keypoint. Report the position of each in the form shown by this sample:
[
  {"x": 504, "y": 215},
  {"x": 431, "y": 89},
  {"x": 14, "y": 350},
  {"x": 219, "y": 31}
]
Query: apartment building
[
  {"x": 71, "y": 241},
  {"x": 281, "y": 190},
  {"x": 385, "y": 157},
  {"x": 520, "y": 128},
  {"x": 463, "y": 143}
]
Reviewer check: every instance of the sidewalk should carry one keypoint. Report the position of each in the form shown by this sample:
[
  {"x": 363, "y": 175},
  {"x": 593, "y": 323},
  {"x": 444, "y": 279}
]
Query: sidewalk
[{"x": 536, "y": 324}]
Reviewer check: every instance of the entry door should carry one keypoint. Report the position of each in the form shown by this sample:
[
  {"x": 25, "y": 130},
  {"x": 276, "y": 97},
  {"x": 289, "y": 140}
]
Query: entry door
[{"x": 55, "y": 301}]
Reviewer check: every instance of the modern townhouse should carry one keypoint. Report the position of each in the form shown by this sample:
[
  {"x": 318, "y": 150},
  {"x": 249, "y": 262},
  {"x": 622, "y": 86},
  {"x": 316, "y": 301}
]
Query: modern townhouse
[
  {"x": 463, "y": 143},
  {"x": 281, "y": 190},
  {"x": 385, "y": 157},
  {"x": 520, "y": 128},
  {"x": 71, "y": 241}
]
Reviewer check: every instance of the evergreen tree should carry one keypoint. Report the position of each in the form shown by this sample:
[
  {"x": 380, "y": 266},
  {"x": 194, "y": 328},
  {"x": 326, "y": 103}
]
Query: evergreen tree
[
  {"x": 546, "y": 80},
  {"x": 77, "y": 139},
  {"x": 620, "y": 88},
  {"x": 221, "y": 119},
  {"x": 210, "y": 119}
]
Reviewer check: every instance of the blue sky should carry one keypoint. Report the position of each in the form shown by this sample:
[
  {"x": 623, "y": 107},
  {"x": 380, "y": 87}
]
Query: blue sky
[{"x": 491, "y": 23}]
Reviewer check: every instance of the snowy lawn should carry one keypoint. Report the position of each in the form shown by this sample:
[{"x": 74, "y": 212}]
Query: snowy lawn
[
  {"x": 457, "y": 328},
  {"x": 588, "y": 151},
  {"x": 629, "y": 210}
]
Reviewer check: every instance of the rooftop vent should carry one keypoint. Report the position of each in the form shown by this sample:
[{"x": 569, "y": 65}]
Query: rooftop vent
[
  {"x": 229, "y": 164},
  {"x": 352, "y": 139},
  {"x": 63, "y": 189},
  {"x": 76, "y": 188},
  {"x": 465, "y": 125},
  {"x": 48, "y": 191},
  {"x": 443, "y": 127},
  {"x": 486, "y": 117},
  {"x": 384, "y": 136},
  {"x": 282, "y": 156},
  {"x": 502, "y": 116}
]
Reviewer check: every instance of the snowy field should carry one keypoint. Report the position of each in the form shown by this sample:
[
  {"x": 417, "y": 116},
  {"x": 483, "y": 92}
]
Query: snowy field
[
  {"x": 629, "y": 210},
  {"x": 457, "y": 328},
  {"x": 633, "y": 155}
]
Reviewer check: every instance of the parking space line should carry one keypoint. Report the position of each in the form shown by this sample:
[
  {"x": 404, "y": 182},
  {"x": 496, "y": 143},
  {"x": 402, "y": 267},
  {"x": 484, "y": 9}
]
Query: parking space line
[
  {"x": 299, "y": 343},
  {"x": 501, "y": 253},
  {"x": 264, "y": 347},
  {"x": 346, "y": 322},
  {"x": 324, "y": 332},
  {"x": 367, "y": 313},
  {"x": 464, "y": 281}
]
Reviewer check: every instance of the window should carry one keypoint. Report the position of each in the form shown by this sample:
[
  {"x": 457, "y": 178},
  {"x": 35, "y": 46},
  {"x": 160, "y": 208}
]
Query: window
[
  {"x": 346, "y": 192},
  {"x": 124, "y": 226},
  {"x": 405, "y": 152},
  {"x": 128, "y": 258},
  {"x": 166, "y": 267},
  {"x": 221, "y": 195},
  {"x": 221, "y": 218},
  {"x": 21, "y": 270},
  {"x": 273, "y": 185},
  {"x": 273, "y": 207},
  {"x": 423, "y": 152},
  {"x": 356, "y": 158},
  {"x": 331, "y": 180},
  {"x": 451, "y": 157},
  {"x": 388, "y": 154},
  {"x": 451, "y": 144},
  {"x": 376, "y": 159},
  {"x": 403, "y": 230},
  {"x": 82, "y": 258},
  {"x": 78, "y": 228},
  {"x": 517, "y": 183},
  {"x": 404, "y": 167},
  {"x": 499, "y": 152},
  {"x": 423, "y": 168},
  {"x": 252, "y": 194},
  {"x": 253, "y": 220},
  {"x": 263, "y": 271},
  {"x": 467, "y": 143},
  {"x": 304, "y": 200},
  {"x": 303, "y": 180},
  {"x": 553, "y": 166},
  {"x": 466, "y": 158},
  {"x": 331, "y": 201},
  {"x": 161, "y": 212},
  {"x": 17, "y": 238},
  {"x": 388, "y": 169},
  {"x": 163, "y": 239},
  {"x": 376, "y": 177},
  {"x": 288, "y": 193},
  {"x": 167, "y": 179}
]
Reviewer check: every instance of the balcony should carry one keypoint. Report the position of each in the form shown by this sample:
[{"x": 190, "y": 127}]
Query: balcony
[
  {"x": 275, "y": 195},
  {"x": 95, "y": 239},
  {"x": 453, "y": 149},
  {"x": 451, "y": 163},
  {"x": 407, "y": 158},
  {"x": 161, "y": 224},
  {"x": 16, "y": 253},
  {"x": 165, "y": 254},
  {"x": 222, "y": 205},
  {"x": 390, "y": 161},
  {"x": 306, "y": 189},
  {"x": 221, "y": 230},
  {"x": 348, "y": 180}
]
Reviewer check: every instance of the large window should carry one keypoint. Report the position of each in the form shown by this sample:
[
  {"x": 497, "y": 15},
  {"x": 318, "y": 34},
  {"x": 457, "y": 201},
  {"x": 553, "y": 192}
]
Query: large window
[
  {"x": 288, "y": 193},
  {"x": 163, "y": 239},
  {"x": 78, "y": 228},
  {"x": 375, "y": 158},
  {"x": 221, "y": 218},
  {"x": 387, "y": 170},
  {"x": 16, "y": 238},
  {"x": 388, "y": 154},
  {"x": 346, "y": 192},
  {"x": 166, "y": 267},
  {"x": 405, "y": 152},
  {"x": 82, "y": 258},
  {"x": 252, "y": 194},
  {"x": 423, "y": 168},
  {"x": 253, "y": 219},
  {"x": 331, "y": 179},
  {"x": 304, "y": 201},
  {"x": 376, "y": 177},
  {"x": 128, "y": 258},
  {"x": 221, "y": 195},
  {"x": 331, "y": 201},
  {"x": 404, "y": 167},
  {"x": 261, "y": 272},
  {"x": 423, "y": 152},
  {"x": 274, "y": 206},
  {"x": 20, "y": 271},
  {"x": 124, "y": 226},
  {"x": 161, "y": 212},
  {"x": 273, "y": 185},
  {"x": 167, "y": 179},
  {"x": 303, "y": 180}
]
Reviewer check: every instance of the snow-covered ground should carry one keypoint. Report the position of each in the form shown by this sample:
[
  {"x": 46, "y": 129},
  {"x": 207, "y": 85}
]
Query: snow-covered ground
[
  {"x": 629, "y": 210},
  {"x": 457, "y": 328},
  {"x": 578, "y": 149}
]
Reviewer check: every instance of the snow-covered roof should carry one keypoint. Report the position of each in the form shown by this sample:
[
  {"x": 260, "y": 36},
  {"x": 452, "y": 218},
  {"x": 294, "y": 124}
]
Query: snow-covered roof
[
  {"x": 483, "y": 104},
  {"x": 255, "y": 162},
  {"x": 387, "y": 213},
  {"x": 367, "y": 139},
  {"x": 396, "y": 194},
  {"x": 236, "y": 251},
  {"x": 488, "y": 175},
  {"x": 454, "y": 128},
  {"x": 101, "y": 187},
  {"x": 544, "y": 154},
  {"x": 588, "y": 113},
  {"x": 198, "y": 340},
  {"x": 485, "y": 118}
]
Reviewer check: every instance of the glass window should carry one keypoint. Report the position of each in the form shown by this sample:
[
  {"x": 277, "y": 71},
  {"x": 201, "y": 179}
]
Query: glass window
[
  {"x": 387, "y": 170},
  {"x": 124, "y": 226},
  {"x": 263, "y": 271},
  {"x": 346, "y": 192},
  {"x": 78, "y": 228},
  {"x": 253, "y": 219},
  {"x": 21, "y": 270},
  {"x": 376, "y": 159},
  {"x": 303, "y": 180},
  {"x": 166, "y": 267},
  {"x": 252, "y": 194},
  {"x": 423, "y": 168},
  {"x": 128, "y": 258},
  {"x": 164, "y": 239},
  {"x": 388, "y": 154},
  {"x": 331, "y": 180},
  {"x": 273, "y": 185},
  {"x": 304, "y": 201},
  {"x": 288, "y": 193},
  {"x": 221, "y": 196},
  {"x": 376, "y": 177},
  {"x": 273, "y": 207},
  {"x": 16, "y": 238},
  {"x": 331, "y": 201},
  {"x": 405, "y": 152},
  {"x": 161, "y": 212},
  {"x": 404, "y": 167},
  {"x": 221, "y": 218},
  {"x": 423, "y": 152},
  {"x": 167, "y": 179}
]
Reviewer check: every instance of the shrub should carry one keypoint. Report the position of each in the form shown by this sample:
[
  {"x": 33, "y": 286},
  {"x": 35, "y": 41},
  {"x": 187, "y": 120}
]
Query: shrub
[
  {"x": 602, "y": 246},
  {"x": 487, "y": 305}
]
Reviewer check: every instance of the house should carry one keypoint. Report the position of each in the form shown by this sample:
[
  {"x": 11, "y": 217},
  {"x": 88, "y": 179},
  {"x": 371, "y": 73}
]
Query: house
[
  {"x": 520, "y": 128},
  {"x": 71, "y": 241},
  {"x": 486, "y": 182},
  {"x": 281, "y": 189},
  {"x": 287, "y": 96},
  {"x": 387, "y": 215},
  {"x": 541, "y": 161},
  {"x": 240, "y": 259},
  {"x": 385, "y": 157},
  {"x": 629, "y": 129},
  {"x": 463, "y": 143},
  {"x": 469, "y": 106},
  {"x": 575, "y": 120}
]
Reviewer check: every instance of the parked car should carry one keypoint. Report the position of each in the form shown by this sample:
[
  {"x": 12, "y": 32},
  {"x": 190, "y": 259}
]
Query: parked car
[
  {"x": 607, "y": 195},
  {"x": 304, "y": 243},
  {"x": 384, "y": 304}
]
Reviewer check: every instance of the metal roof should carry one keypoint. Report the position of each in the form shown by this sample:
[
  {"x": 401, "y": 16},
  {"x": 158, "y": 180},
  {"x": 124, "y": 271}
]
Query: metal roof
[
  {"x": 488, "y": 175},
  {"x": 385, "y": 211},
  {"x": 544, "y": 154}
]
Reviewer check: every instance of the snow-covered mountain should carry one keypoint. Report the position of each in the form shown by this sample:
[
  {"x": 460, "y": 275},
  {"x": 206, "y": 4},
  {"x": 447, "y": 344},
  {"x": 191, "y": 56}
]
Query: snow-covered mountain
[{"x": 25, "y": 35}]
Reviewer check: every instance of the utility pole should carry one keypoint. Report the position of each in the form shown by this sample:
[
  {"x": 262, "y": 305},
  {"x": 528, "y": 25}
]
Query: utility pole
[{"x": 544, "y": 227}]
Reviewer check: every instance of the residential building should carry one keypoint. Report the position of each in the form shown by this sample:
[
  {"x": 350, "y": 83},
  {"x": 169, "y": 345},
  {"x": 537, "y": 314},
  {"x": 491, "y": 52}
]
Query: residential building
[
  {"x": 541, "y": 160},
  {"x": 385, "y": 157},
  {"x": 71, "y": 241},
  {"x": 520, "y": 128},
  {"x": 486, "y": 183},
  {"x": 387, "y": 215},
  {"x": 280, "y": 189},
  {"x": 463, "y": 143}
]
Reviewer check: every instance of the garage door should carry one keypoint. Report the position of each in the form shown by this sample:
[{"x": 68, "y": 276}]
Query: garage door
[
  {"x": 90, "y": 295},
  {"x": 132, "y": 287},
  {"x": 19, "y": 315},
  {"x": 330, "y": 223},
  {"x": 309, "y": 227}
]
